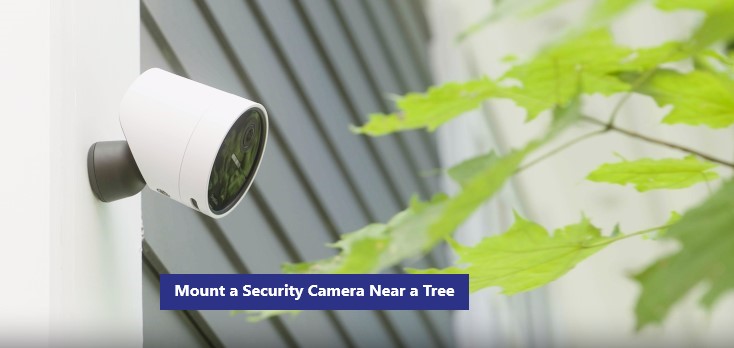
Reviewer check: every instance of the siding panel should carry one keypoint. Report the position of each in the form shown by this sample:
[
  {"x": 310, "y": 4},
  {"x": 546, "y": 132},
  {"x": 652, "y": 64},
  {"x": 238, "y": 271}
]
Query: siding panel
[
  {"x": 407, "y": 19},
  {"x": 357, "y": 20},
  {"x": 310, "y": 75},
  {"x": 353, "y": 81}
]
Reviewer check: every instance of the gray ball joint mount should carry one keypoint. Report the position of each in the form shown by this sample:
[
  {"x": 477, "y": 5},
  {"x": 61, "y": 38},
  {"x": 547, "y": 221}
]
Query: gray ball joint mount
[{"x": 113, "y": 173}]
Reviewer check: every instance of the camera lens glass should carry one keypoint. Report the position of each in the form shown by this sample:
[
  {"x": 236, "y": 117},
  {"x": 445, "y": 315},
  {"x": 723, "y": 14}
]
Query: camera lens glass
[
  {"x": 250, "y": 132},
  {"x": 236, "y": 161}
]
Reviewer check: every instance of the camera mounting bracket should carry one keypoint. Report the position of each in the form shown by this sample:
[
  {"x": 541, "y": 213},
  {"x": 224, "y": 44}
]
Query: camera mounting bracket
[{"x": 113, "y": 173}]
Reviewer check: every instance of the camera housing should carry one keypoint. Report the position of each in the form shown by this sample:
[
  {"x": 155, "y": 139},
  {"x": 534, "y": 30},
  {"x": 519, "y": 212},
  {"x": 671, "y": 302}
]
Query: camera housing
[{"x": 193, "y": 143}]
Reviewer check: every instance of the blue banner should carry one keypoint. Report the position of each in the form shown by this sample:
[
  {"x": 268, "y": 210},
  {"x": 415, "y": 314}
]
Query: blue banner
[{"x": 314, "y": 291}]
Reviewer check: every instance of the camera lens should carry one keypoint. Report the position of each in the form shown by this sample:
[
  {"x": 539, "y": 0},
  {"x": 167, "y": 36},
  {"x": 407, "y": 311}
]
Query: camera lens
[
  {"x": 249, "y": 134},
  {"x": 235, "y": 164}
]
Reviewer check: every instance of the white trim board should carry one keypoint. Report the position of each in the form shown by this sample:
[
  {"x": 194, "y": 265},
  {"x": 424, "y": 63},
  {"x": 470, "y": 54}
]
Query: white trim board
[{"x": 69, "y": 63}]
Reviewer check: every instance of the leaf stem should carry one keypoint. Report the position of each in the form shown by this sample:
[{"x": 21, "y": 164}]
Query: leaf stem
[
  {"x": 635, "y": 85},
  {"x": 648, "y": 139},
  {"x": 628, "y": 235},
  {"x": 617, "y": 108},
  {"x": 645, "y": 231}
]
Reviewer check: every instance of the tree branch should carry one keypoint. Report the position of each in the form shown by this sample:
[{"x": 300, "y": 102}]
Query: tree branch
[{"x": 648, "y": 139}]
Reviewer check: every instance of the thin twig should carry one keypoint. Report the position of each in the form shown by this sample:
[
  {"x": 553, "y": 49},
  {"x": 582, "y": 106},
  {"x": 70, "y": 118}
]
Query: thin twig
[
  {"x": 635, "y": 85},
  {"x": 657, "y": 141},
  {"x": 566, "y": 145},
  {"x": 607, "y": 127},
  {"x": 616, "y": 110}
]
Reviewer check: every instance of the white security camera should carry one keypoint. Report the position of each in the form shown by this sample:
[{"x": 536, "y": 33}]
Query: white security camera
[{"x": 190, "y": 142}]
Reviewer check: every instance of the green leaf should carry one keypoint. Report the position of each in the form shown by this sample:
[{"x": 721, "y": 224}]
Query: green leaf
[
  {"x": 716, "y": 27},
  {"x": 464, "y": 171},
  {"x": 649, "y": 174},
  {"x": 706, "y": 256},
  {"x": 558, "y": 74},
  {"x": 592, "y": 55},
  {"x": 431, "y": 109},
  {"x": 526, "y": 256},
  {"x": 697, "y": 98},
  {"x": 589, "y": 63},
  {"x": 552, "y": 79}
]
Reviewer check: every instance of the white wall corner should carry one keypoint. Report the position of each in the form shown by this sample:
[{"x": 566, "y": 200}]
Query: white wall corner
[
  {"x": 95, "y": 248},
  {"x": 24, "y": 173}
]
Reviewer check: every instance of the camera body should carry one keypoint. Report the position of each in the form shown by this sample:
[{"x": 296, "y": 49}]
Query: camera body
[{"x": 190, "y": 142}]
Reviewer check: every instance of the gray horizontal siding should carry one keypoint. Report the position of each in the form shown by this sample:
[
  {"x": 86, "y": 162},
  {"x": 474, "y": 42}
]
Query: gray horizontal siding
[{"x": 317, "y": 66}]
